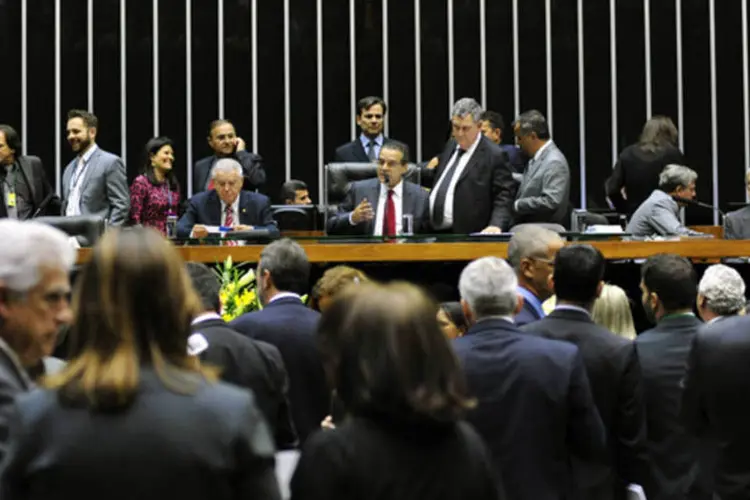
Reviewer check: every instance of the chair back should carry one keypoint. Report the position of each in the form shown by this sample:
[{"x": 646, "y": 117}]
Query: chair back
[
  {"x": 294, "y": 217},
  {"x": 90, "y": 227}
]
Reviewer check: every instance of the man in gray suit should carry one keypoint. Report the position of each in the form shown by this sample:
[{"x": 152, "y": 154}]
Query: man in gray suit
[
  {"x": 545, "y": 188},
  {"x": 35, "y": 260},
  {"x": 376, "y": 206},
  {"x": 94, "y": 183},
  {"x": 737, "y": 223},
  {"x": 659, "y": 214}
]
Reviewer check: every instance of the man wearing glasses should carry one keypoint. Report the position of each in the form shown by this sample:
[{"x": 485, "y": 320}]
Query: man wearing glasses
[{"x": 370, "y": 120}]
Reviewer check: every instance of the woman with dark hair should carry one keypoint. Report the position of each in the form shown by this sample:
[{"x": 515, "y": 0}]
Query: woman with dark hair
[
  {"x": 404, "y": 393},
  {"x": 133, "y": 415},
  {"x": 155, "y": 194},
  {"x": 451, "y": 319},
  {"x": 636, "y": 173}
]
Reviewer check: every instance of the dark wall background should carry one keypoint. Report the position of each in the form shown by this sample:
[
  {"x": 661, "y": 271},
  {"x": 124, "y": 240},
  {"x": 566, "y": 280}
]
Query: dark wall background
[{"x": 303, "y": 113}]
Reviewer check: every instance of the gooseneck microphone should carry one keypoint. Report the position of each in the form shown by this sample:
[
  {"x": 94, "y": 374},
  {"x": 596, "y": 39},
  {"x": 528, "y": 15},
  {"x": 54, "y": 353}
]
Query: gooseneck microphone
[
  {"x": 689, "y": 201},
  {"x": 43, "y": 205}
]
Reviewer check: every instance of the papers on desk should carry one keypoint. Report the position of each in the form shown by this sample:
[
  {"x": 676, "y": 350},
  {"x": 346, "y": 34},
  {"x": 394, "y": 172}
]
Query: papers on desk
[{"x": 604, "y": 228}]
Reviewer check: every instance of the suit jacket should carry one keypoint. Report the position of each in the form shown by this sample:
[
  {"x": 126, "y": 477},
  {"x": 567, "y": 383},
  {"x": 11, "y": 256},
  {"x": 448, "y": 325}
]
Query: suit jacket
[
  {"x": 658, "y": 215},
  {"x": 209, "y": 444},
  {"x": 663, "y": 352},
  {"x": 33, "y": 174},
  {"x": 637, "y": 170},
  {"x": 104, "y": 188},
  {"x": 615, "y": 376},
  {"x": 526, "y": 315},
  {"x": 353, "y": 152},
  {"x": 544, "y": 193},
  {"x": 253, "y": 365},
  {"x": 205, "y": 208},
  {"x": 252, "y": 171},
  {"x": 534, "y": 407},
  {"x": 290, "y": 326},
  {"x": 484, "y": 192},
  {"x": 737, "y": 224},
  {"x": 416, "y": 201},
  {"x": 13, "y": 381},
  {"x": 715, "y": 405}
]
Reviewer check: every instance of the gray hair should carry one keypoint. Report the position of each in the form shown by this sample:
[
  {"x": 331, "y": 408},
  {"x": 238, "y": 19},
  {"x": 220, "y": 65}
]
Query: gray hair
[
  {"x": 723, "y": 289},
  {"x": 532, "y": 121},
  {"x": 530, "y": 241},
  {"x": 288, "y": 265},
  {"x": 674, "y": 176},
  {"x": 488, "y": 285},
  {"x": 29, "y": 246},
  {"x": 226, "y": 165},
  {"x": 467, "y": 106}
]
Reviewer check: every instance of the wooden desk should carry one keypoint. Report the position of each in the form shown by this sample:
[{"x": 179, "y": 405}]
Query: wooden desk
[{"x": 435, "y": 252}]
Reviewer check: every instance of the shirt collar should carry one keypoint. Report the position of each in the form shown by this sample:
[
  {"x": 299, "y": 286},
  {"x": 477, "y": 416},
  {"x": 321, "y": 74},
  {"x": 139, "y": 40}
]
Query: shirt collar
[
  {"x": 398, "y": 189},
  {"x": 235, "y": 205},
  {"x": 532, "y": 300},
  {"x": 205, "y": 317},
  {"x": 283, "y": 295},
  {"x": 473, "y": 146},
  {"x": 571, "y": 307},
  {"x": 540, "y": 150},
  {"x": 509, "y": 319},
  {"x": 714, "y": 320},
  {"x": 366, "y": 140},
  {"x": 87, "y": 155}
]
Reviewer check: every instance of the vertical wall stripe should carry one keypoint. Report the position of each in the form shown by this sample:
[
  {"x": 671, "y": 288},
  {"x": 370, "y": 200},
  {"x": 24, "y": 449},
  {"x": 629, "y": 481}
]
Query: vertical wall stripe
[
  {"x": 647, "y": 52},
  {"x": 321, "y": 109},
  {"x": 287, "y": 97},
  {"x": 680, "y": 85},
  {"x": 220, "y": 56},
  {"x": 418, "y": 75},
  {"x": 714, "y": 121},
  {"x": 189, "y": 93},
  {"x": 254, "y": 56},
  {"x": 352, "y": 68},
  {"x": 548, "y": 57},
  {"x": 483, "y": 51},
  {"x": 516, "y": 79},
  {"x": 451, "y": 60},
  {"x": 581, "y": 104},
  {"x": 90, "y": 52},
  {"x": 58, "y": 103},
  {"x": 745, "y": 96},
  {"x": 155, "y": 59},
  {"x": 123, "y": 85},
  {"x": 24, "y": 76},
  {"x": 613, "y": 76},
  {"x": 385, "y": 62}
]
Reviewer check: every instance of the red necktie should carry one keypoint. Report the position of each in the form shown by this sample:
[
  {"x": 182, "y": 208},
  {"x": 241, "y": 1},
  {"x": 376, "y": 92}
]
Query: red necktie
[
  {"x": 389, "y": 216},
  {"x": 229, "y": 217}
]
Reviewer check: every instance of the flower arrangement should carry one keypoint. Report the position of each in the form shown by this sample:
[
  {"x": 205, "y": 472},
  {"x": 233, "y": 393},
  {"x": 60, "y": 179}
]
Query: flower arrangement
[{"x": 238, "y": 293}]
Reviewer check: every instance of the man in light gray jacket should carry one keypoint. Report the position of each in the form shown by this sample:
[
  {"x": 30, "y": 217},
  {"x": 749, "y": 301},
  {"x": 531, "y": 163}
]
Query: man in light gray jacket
[{"x": 659, "y": 214}]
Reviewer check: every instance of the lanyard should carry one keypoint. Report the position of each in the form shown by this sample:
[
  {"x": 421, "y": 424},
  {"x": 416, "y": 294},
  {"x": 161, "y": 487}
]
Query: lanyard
[{"x": 78, "y": 174}]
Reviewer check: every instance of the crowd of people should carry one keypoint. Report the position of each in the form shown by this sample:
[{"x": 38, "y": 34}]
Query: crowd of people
[{"x": 532, "y": 386}]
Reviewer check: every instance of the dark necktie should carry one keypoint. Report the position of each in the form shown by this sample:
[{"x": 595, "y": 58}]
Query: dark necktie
[
  {"x": 389, "y": 216},
  {"x": 371, "y": 150},
  {"x": 438, "y": 209}
]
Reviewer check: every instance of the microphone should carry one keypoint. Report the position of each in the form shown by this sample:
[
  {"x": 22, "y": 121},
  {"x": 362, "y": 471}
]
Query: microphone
[
  {"x": 387, "y": 178},
  {"x": 696, "y": 203},
  {"x": 43, "y": 205}
]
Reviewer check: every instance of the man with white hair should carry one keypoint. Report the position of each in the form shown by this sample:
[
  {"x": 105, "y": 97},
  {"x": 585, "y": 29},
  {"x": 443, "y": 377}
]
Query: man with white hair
[
  {"x": 660, "y": 214},
  {"x": 535, "y": 405},
  {"x": 721, "y": 293},
  {"x": 226, "y": 205},
  {"x": 35, "y": 262}
]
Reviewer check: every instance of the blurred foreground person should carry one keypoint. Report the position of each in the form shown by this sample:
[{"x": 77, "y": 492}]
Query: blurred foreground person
[
  {"x": 332, "y": 283},
  {"x": 35, "y": 260},
  {"x": 404, "y": 391},
  {"x": 133, "y": 415}
]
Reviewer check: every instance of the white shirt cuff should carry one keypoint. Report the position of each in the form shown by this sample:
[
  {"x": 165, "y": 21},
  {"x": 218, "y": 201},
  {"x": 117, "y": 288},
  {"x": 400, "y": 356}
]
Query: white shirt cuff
[{"x": 350, "y": 219}]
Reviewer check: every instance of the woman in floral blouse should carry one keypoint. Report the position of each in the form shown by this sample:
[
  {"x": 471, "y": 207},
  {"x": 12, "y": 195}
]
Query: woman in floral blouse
[{"x": 155, "y": 194}]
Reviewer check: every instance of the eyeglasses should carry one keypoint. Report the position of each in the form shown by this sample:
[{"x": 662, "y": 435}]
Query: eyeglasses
[{"x": 549, "y": 262}]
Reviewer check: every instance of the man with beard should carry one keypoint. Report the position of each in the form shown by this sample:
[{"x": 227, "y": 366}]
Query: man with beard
[
  {"x": 94, "y": 183},
  {"x": 35, "y": 260},
  {"x": 669, "y": 286}
]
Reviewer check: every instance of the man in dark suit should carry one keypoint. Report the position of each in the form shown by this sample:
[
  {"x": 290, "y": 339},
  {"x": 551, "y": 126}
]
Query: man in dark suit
[
  {"x": 493, "y": 127},
  {"x": 25, "y": 189},
  {"x": 227, "y": 205},
  {"x": 715, "y": 405},
  {"x": 668, "y": 283},
  {"x": 535, "y": 407},
  {"x": 392, "y": 198},
  {"x": 737, "y": 223},
  {"x": 531, "y": 252},
  {"x": 35, "y": 262},
  {"x": 544, "y": 193},
  {"x": 370, "y": 119},
  {"x": 245, "y": 362},
  {"x": 224, "y": 142},
  {"x": 613, "y": 370},
  {"x": 285, "y": 322},
  {"x": 472, "y": 184}
]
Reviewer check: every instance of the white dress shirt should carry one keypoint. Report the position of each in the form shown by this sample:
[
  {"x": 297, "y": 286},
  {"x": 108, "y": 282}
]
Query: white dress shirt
[
  {"x": 235, "y": 212},
  {"x": 76, "y": 182},
  {"x": 398, "y": 202},
  {"x": 462, "y": 162}
]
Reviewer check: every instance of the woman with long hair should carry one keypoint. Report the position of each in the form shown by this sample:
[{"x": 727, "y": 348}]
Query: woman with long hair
[
  {"x": 405, "y": 395},
  {"x": 155, "y": 194},
  {"x": 133, "y": 415}
]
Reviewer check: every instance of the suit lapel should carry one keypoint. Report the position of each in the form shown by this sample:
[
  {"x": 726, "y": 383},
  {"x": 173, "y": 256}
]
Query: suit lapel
[
  {"x": 28, "y": 174},
  {"x": 213, "y": 208},
  {"x": 88, "y": 171},
  {"x": 359, "y": 151},
  {"x": 373, "y": 194},
  {"x": 475, "y": 157},
  {"x": 245, "y": 208}
]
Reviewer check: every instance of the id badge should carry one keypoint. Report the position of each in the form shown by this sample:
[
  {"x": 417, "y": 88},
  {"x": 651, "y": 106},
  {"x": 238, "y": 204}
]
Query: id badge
[{"x": 11, "y": 200}]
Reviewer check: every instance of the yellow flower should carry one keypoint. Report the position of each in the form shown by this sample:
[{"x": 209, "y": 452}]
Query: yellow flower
[{"x": 248, "y": 278}]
